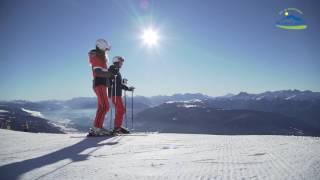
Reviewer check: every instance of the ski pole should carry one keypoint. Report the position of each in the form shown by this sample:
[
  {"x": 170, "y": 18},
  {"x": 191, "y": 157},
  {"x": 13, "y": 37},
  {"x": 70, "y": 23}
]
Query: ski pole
[
  {"x": 115, "y": 98},
  {"x": 125, "y": 107},
  {"x": 115, "y": 91},
  {"x": 111, "y": 104},
  {"x": 132, "y": 109}
]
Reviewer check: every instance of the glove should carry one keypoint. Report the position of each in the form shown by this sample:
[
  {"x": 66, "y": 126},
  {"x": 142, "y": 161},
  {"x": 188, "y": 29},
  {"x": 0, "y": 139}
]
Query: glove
[
  {"x": 125, "y": 81},
  {"x": 131, "y": 88}
]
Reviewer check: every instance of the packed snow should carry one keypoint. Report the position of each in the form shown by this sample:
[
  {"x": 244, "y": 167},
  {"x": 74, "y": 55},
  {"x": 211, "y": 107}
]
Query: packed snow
[{"x": 157, "y": 156}]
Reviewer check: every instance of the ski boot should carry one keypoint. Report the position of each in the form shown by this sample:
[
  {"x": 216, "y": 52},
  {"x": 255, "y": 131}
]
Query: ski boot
[
  {"x": 98, "y": 132},
  {"x": 120, "y": 130}
]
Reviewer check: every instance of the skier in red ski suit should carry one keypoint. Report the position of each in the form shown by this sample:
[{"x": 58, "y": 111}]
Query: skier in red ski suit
[{"x": 98, "y": 58}]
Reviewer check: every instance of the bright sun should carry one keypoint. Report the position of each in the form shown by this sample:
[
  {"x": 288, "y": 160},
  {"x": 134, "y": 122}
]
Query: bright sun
[{"x": 150, "y": 37}]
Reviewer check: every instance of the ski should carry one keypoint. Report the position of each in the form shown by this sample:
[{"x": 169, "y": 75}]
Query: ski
[
  {"x": 92, "y": 135},
  {"x": 108, "y": 136},
  {"x": 131, "y": 135}
]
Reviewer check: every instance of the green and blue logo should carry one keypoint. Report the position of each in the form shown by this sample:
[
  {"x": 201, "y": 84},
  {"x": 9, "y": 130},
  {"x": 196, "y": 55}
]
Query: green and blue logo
[{"x": 291, "y": 19}]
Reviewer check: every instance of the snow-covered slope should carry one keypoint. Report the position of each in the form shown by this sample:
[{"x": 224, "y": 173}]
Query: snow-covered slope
[{"x": 157, "y": 156}]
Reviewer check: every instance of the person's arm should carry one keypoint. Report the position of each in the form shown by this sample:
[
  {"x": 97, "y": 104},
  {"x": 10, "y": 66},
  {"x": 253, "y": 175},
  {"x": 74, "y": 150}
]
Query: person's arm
[
  {"x": 113, "y": 70},
  {"x": 131, "y": 88},
  {"x": 125, "y": 87}
]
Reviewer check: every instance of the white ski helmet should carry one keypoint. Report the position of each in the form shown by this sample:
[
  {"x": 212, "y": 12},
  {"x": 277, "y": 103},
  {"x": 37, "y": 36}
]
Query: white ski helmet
[
  {"x": 103, "y": 45},
  {"x": 117, "y": 59}
]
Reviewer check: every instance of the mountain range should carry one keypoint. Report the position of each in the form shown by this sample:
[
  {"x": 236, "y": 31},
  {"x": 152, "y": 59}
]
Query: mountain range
[
  {"x": 21, "y": 119},
  {"x": 272, "y": 112},
  {"x": 197, "y": 117}
]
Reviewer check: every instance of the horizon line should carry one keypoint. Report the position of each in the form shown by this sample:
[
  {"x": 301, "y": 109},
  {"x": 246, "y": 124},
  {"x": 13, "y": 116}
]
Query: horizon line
[{"x": 1, "y": 100}]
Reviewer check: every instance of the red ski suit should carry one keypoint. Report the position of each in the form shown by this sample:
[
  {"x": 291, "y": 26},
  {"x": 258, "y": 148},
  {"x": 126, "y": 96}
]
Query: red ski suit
[
  {"x": 120, "y": 111},
  {"x": 99, "y": 87}
]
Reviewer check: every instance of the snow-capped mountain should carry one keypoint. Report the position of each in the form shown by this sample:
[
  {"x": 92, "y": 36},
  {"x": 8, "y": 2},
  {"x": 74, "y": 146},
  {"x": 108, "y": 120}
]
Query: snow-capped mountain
[
  {"x": 188, "y": 104},
  {"x": 157, "y": 100},
  {"x": 277, "y": 95},
  {"x": 196, "y": 116},
  {"x": 303, "y": 106}
]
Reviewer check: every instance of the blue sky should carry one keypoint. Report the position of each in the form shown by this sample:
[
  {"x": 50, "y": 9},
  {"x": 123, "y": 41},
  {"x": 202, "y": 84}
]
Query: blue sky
[{"x": 212, "y": 47}]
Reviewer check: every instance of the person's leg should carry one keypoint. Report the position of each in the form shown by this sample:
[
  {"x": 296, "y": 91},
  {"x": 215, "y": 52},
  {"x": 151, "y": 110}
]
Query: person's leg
[
  {"x": 103, "y": 106},
  {"x": 120, "y": 110}
]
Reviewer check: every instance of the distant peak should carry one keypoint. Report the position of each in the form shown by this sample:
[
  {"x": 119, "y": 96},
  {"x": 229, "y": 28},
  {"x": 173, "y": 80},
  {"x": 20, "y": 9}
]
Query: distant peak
[
  {"x": 229, "y": 95},
  {"x": 243, "y": 94}
]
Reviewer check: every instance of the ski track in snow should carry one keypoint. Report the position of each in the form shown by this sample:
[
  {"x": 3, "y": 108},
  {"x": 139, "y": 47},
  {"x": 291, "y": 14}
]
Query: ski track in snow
[{"x": 158, "y": 156}]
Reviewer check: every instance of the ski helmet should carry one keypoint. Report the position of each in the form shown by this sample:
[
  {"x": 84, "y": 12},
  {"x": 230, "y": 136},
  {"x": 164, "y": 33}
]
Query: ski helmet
[
  {"x": 118, "y": 59},
  {"x": 103, "y": 45}
]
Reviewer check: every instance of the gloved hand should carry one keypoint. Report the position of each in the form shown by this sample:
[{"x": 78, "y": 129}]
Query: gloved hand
[
  {"x": 125, "y": 81},
  {"x": 131, "y": 88}
]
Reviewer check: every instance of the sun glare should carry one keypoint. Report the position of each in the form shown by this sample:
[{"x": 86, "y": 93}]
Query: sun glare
[{"x": 150, "y": 37}]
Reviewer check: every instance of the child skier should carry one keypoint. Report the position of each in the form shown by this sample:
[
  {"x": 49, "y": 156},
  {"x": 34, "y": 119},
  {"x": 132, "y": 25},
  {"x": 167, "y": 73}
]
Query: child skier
[
  {"x": 98, "y": 58},
  {"x": 115, "y": 92}
]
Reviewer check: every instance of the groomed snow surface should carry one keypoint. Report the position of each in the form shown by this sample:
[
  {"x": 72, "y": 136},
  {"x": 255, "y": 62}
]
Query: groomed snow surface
[{"x": 157, "y": 156}]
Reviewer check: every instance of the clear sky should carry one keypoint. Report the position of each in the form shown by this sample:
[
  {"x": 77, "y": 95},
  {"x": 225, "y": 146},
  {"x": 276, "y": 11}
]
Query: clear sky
[{"x": 213, "y": 47}]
